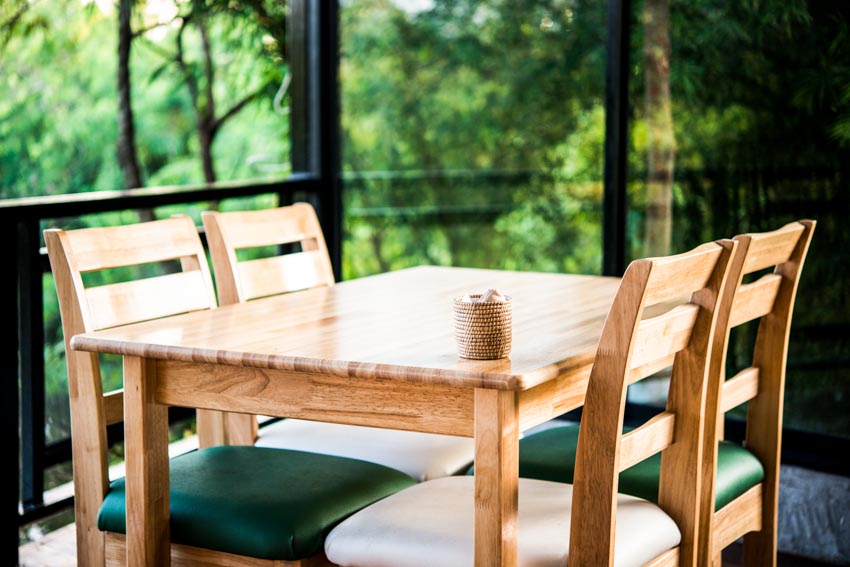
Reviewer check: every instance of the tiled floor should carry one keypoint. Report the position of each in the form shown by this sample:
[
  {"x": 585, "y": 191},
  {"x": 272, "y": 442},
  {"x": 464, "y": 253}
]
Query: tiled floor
[{"x": 56, "y": 549}]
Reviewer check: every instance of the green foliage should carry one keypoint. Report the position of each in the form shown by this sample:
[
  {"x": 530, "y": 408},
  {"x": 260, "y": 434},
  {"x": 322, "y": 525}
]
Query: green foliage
[
  {"x": 58, "y": 115},
  {"x": 51, "y": 120},
  {"x": 488, "y": 87}
]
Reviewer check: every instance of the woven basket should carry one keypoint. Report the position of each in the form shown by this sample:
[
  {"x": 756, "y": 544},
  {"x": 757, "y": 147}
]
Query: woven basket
[{"x": 482, "y": 330}]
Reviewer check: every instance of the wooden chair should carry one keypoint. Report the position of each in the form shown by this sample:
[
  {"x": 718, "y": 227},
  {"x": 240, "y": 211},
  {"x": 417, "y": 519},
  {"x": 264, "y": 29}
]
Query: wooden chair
[
  {"x": 219, "y": 514},
  {"x": 421, "y": 455},
  {"x": 770, "y": 299},
  {"x": 431, "y": 523},
  {"x": 740, "y": 482}
]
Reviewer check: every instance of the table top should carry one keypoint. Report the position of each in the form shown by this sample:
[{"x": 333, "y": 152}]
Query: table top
[{"x": 396, "y": 325}]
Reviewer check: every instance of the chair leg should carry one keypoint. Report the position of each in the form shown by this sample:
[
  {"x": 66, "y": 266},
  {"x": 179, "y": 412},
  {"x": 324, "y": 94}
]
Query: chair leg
[{"x": 760, "y": 548}]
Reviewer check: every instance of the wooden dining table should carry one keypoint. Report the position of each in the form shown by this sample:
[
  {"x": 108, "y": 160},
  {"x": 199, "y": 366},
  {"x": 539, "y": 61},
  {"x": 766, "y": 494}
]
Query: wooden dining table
[{"x": 375, "y": 351}]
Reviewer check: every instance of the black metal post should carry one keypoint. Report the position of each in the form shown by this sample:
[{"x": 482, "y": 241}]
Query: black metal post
[
  {"x": 31, "y": 333},
  {"x": 299, "y": 37},
  {"x": 327, "y": 101},
  {"x": 313, "y": 37},
  {"x": 616, "y": 138},
  {"x": 9, "y": 399}
]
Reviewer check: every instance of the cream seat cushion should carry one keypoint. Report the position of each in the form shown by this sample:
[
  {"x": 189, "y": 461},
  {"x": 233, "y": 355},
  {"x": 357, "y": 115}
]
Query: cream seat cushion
[
  {"x": 431, "y": 525},
  {"x": 423, "y": 456}
]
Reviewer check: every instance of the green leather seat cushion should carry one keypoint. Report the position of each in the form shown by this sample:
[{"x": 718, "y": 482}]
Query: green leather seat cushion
[
  {"x": 261, "y": 502},
  {"x": 551, "y": 454}
]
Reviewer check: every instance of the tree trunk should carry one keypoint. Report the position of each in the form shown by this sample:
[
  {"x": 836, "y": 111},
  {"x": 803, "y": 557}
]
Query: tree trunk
[
  {"x": 206, "y": 109},
  {"x": 127, "y": 154},
  {"x": 126, "y": 151},
  {"x": 659, "y": 120},
  {"x": 207, "y": 125}
]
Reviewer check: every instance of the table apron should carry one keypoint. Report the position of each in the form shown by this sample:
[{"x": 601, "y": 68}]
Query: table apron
[
  {"x": 432, "y": 408},
  {"x": 553, "y": 398}
]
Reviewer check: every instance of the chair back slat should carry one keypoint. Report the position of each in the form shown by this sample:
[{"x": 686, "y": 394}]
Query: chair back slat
[
  {"x": 639, "y": 373},
  {"x": 150, "y": 298},
  {"x": 114, "y": 247},
  {"x": 231, "y": 231},
  {"x": 755, "y": 299},
  {"x": 676, "y": 276},
  {"x": 265, "y": 227},
  {"x": 739, "y": 389},
  {"x": 631, "y": 343},
  {"x": 768, "y": 249},
  {"x": 664, "y": 335},
  {"x": 282, "y": 274},
  {"x": 729, "y": 521},
  {"x": 650, "y": 438}
]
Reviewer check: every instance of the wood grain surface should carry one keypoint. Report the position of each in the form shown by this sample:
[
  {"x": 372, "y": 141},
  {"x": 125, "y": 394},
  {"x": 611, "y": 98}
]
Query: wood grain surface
[{"x": 395, "y": 326}]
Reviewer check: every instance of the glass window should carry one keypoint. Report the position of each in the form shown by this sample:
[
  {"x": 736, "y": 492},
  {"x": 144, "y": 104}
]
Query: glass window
[
  {"x": 740, "y": 114},
  {"x": 472, "y": 134}
]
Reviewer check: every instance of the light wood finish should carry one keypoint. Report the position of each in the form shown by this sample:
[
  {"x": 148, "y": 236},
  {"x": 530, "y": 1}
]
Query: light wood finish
[
  {"x": 113, "y": 407},
  {"x": 237, "y": 281},
  {"x": 755, "y": 300},
  {"x": 603, "y": 450},
  {"x": 151, "y": 298},
  {"x": 380, "y": 351},
  {"x": 646, "y": 440},
  {"x": 395, "y": 326},
  {"x": 437, "y": 408},
  {"x": 676, "y": 276},
  {"x": 496, "y": 477},
  {"x": 754, "y": 515},
  {"x": 741, "y": 388},
  {"x": 742, "y": 515},
  {"x": 83, "y": 308},
  {"x": 555, "y": 397},
  {"x": 229, "y": 233},
  {"x": 188, "y": 556},
  {"x": 639, "y": 373},
  {"x": 73, "y": 254},
  {"x": 146, "y": 457},
  {"x": 663, "y": 335},
  {"x": 670, "y": 558}
]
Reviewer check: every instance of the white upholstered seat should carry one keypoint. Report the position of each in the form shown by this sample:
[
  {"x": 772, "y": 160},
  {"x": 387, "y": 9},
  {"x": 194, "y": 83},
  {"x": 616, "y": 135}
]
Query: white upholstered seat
[
  {"x": 422, "y": 456},
  {"x": 431, "y": 524}
]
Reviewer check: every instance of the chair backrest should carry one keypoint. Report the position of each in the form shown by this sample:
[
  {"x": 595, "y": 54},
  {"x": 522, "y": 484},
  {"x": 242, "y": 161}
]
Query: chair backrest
[
  {"x": 229, "y": 232},
  {"x": 239, "y": 280},
  {"x": 770, "y": 299},
  {"x": 74, "y": 256},
  {"x": 634, "y": 344}
]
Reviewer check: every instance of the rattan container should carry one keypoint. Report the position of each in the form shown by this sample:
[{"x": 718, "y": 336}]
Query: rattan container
[{"x": 482, "y": 329}]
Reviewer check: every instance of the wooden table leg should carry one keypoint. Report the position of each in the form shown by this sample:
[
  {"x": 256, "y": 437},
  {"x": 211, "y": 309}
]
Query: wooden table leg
[
  {"x": 146, "y": 454},
  {"x": 496, "y": 477}
]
